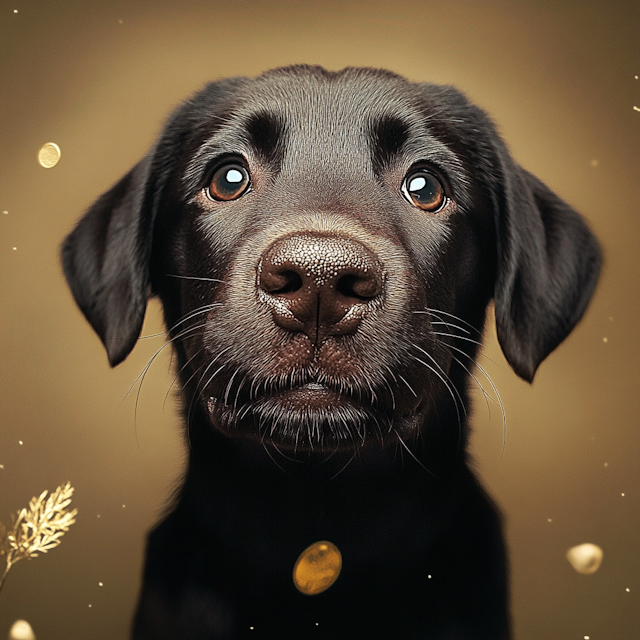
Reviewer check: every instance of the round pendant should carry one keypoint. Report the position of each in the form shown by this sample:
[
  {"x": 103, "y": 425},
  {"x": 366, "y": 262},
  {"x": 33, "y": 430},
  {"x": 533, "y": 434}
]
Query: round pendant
[{"x": 317, "y": 568}]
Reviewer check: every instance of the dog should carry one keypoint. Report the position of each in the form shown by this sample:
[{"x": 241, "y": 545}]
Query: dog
[{"x": 325, "y": 246}]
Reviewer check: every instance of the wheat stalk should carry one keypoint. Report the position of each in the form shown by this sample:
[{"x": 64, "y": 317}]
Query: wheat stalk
[{"x": 37, "y": 528}]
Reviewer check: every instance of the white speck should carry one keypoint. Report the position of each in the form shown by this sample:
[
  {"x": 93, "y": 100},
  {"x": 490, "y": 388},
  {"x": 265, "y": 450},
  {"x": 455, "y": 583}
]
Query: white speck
[
  {"x": 549, "y": 520},
  {"x": 586, "y": 638},
  {"x": 98, "y": 515},
  {"x": 605, "y": 339},
  {"x": 100, "y": 584},
  {"x": 606, "y": 464},
  {"x": 317, "y": 624},
  {"x": 627, "y": 589},
  {"x": 6, "y": 213},
  {"x": 622, "y": 494},
  {"x": 15, "y": 11},
  {"x": 429, "y": 576},
  {"x": 636, "y": 77},
  {"x": 251, "y": 628},
  {"x": 90, "y": 606},
  {"x": 636, "y": 108},
  {"x": 124, "y": 506},
  {"x": 1, "y": 466},
  {"x": 15, "y": 248},
  {"x": 20, "y": 442}
]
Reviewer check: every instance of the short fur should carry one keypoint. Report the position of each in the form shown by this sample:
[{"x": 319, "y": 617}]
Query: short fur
[{"x": 330, "y": 411}]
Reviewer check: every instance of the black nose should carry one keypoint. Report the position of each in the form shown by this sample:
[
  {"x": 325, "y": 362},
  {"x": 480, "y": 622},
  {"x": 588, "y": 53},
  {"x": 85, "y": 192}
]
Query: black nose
[{"x": 319, "y": 284}]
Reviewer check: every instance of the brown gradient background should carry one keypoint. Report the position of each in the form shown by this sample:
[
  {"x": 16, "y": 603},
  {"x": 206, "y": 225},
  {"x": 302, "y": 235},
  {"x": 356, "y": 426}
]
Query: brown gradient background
[{"x": 98, "y": 77}]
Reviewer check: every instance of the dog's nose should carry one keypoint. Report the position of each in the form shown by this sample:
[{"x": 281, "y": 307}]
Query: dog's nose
[{"x": 321, "y": 285}]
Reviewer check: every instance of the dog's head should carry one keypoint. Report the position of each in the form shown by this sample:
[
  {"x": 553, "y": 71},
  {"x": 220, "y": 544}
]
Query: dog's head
[{"x": 325, "y": 246}]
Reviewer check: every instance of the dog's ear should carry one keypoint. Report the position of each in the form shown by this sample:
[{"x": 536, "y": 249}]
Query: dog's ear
[
  {"x": 548, "y": 266},
  {"x": 106, "y": 261}
]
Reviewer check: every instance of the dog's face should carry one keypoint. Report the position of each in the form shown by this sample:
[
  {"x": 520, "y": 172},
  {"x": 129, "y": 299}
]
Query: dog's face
[{"x": 325, "y": 246}]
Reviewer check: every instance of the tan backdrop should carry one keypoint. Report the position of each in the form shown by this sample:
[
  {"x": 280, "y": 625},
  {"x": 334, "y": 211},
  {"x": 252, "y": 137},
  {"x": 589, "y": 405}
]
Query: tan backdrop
[{"x": 98, "y": 77}]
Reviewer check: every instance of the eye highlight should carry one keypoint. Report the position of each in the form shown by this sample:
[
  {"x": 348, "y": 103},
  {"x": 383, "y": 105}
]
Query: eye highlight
[
  {"x": 229, "y": 182},
  {"x": 423, "y": 190}
]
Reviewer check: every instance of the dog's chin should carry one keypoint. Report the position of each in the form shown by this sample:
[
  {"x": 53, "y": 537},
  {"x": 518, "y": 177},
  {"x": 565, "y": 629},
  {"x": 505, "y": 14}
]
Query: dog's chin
[{"x": 309, "y": 417}]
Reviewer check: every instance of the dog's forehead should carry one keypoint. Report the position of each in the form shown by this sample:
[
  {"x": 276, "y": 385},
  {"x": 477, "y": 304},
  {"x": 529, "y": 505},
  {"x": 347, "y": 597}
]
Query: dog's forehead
[
  {"x": 341, "y": 121},
  {"x": 332, "y": 116},
  {"x": 329, "y": 101}
]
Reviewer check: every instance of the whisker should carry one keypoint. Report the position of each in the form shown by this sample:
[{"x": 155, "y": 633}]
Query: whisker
[
  {"x": 448, "y": 387},
  {"x": 235, "y": 402},
  {"x": 173, "y": 275},
  {"x": 453, "y": 335},
  {"x": 495, "y": 390},
  {"x": 486, "y": 396},
  {"x": 391, "y": 373},
  {"x": 451, "y": 315},
  {"x": 196, "y": 312},
  {"x": 449, "y": 325},
  {"x": 199, "y": 387},
  {"x": 351, "y": 459},
  {"x": 374, "y": 397},
  {"x": 229, "y": 385},
  {"x": 178, "y": 375},
  {"x": 426, "y": 353},
  {"x": 393, "y": 397},
  {"x": 413, "y": 455},
  {"x": 203, "y": 387},
  {"x": 284, "y": 455},
  {"x": 143, "y": 373},
  {"x": 408, "y": 385},
  {"x": 153, "y": 335},
  {"x": 264, "y": 446}
]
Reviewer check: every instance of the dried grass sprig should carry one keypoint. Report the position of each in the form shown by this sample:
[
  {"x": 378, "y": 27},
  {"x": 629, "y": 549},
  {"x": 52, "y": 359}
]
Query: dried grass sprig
[{"x": 37, "y": 528}]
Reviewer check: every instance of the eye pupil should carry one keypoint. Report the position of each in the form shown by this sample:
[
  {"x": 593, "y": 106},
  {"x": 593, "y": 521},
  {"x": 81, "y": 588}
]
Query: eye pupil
[
  {"x": 424, "y": 190},
  {"x": 229, "y": 182}
]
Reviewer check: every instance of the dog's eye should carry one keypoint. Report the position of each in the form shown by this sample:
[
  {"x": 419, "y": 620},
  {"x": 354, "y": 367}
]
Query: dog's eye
[
  {"x": 229, "y": 182},
  {"x": 424, "y": 190}
]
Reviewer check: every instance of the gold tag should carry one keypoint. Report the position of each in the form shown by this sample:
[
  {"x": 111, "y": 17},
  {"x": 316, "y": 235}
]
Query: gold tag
[{"x": 317, "y": 568}]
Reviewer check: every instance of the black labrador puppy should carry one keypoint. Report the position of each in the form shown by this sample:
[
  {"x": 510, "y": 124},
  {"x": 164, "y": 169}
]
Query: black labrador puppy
[{"x": 325, "y": 245}]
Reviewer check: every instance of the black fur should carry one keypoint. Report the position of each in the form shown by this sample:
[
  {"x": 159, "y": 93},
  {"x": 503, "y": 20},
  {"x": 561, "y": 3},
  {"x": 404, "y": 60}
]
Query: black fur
[{"x": 319, "y": 408}]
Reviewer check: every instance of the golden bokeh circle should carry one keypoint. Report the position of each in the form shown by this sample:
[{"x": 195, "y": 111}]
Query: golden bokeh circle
[
  {"x": 317, "y": 568},
  {"x": 585, "y": 558},
  {"x": 49, "y": 155}
]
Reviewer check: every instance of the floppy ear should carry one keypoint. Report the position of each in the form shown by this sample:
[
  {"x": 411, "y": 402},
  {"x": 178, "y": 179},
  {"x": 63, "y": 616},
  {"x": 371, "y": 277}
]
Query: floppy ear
[
  {"x": 106, "y": 261},
  {"x": 548, "y": 266}
]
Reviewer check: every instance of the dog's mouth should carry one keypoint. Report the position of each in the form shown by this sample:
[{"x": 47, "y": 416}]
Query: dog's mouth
[
  {"x": 312, "y": 396},
  {"x": 306, "y": 416}
]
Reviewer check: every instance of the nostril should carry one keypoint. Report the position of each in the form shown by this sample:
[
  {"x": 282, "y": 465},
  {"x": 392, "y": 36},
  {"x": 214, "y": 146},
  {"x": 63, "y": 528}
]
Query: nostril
[
  {"x": 363, "y": 287},
  {"x": 280, "y": 281}
]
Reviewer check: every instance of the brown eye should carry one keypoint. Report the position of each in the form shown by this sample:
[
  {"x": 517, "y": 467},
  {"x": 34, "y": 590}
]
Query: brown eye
[
  {"x": 229, "y": 182},
  {"x": 423, "y": 190}
]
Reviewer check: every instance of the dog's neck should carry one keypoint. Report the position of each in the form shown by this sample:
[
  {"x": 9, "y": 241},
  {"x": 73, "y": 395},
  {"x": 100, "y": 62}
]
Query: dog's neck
[{"x": 373, "y": 461}]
